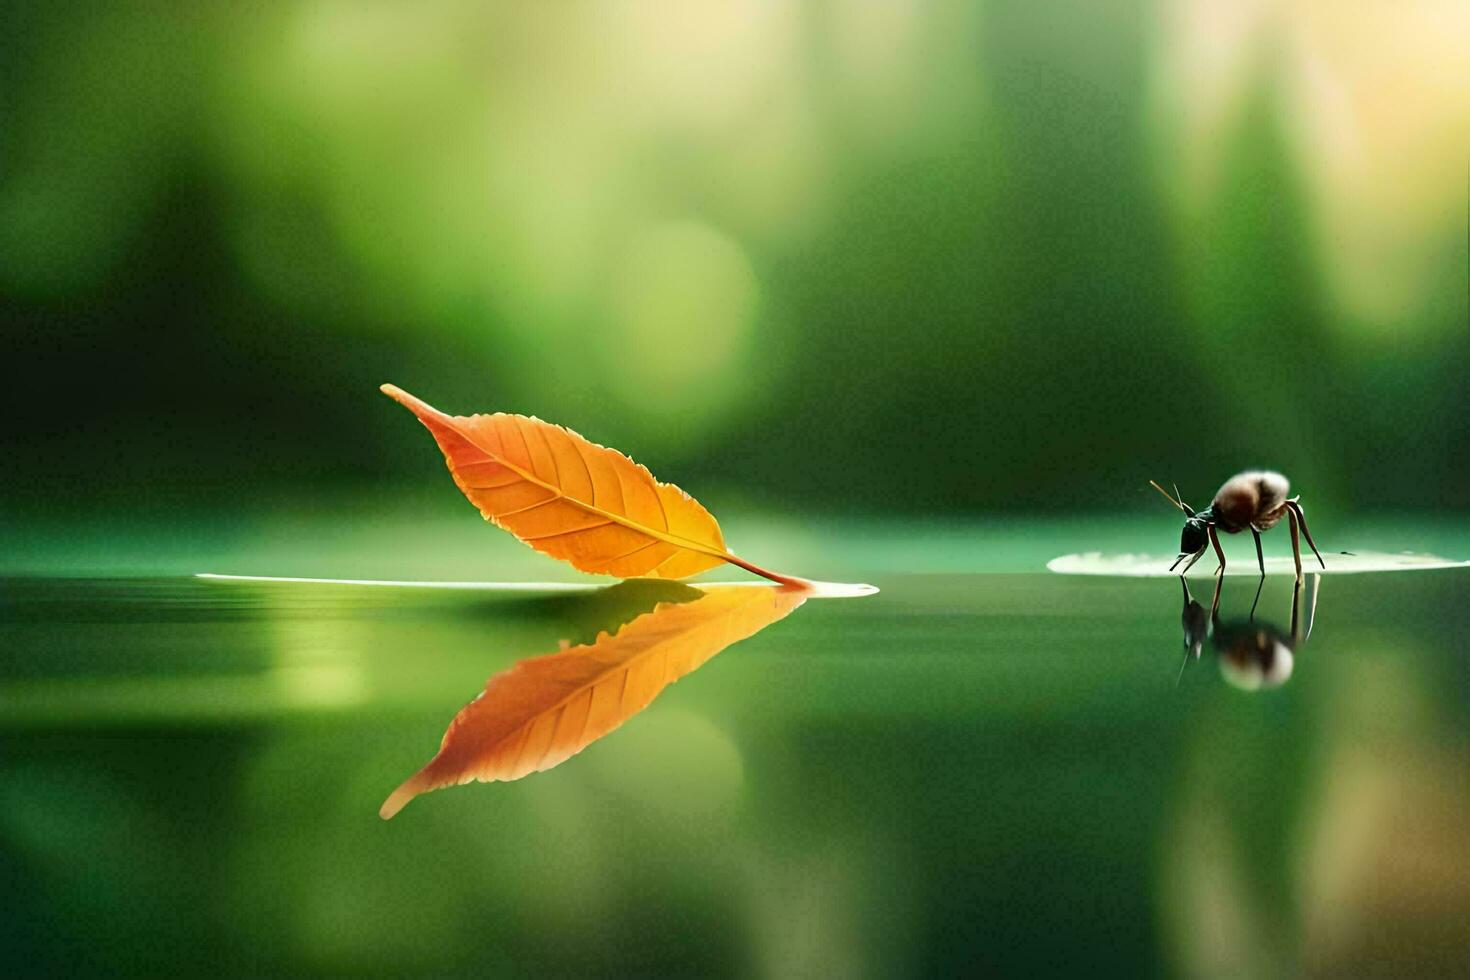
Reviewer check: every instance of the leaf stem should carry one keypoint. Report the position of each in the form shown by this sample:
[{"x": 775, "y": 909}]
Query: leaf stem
[{"x": 766, "y": 573}]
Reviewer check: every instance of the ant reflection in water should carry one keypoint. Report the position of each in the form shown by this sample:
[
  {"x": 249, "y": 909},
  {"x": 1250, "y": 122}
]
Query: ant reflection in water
[{"x": 1252, "y": 654}]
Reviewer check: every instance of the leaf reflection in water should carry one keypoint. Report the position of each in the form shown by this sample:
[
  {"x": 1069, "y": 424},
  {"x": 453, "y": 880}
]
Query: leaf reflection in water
[{"x": 545, "y": 709}]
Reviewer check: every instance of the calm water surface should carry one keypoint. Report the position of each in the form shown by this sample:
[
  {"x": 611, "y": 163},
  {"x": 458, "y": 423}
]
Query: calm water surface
[{"x": 1003, "y": 772}]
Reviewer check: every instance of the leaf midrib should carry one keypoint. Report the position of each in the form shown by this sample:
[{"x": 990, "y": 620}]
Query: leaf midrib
[
  {"x": 560, "y": 494},
  {"x": 624, "y": 666}
]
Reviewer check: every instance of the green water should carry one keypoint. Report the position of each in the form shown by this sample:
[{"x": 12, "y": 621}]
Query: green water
[{"x": 967, "y": 771}]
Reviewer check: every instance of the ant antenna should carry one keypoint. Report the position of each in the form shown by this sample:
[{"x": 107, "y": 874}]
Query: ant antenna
[
  {"x": 1173, "y": 500},
  {"x": 1180, "y": 498}
]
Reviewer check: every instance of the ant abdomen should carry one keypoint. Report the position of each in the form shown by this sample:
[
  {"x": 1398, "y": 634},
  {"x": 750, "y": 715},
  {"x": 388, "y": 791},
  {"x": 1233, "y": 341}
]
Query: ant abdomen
[{"x": 1256, "y": 497}]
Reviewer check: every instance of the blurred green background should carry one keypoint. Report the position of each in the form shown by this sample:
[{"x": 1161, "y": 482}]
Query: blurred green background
[
  {"x": 920, "y": 294},
  {"x": 882, "y": 259}
]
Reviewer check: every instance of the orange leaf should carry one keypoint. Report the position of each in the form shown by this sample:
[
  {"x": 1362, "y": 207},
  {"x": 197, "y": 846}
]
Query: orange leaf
[
  {"x": 575, "y": 500},
  {"x": 544, "y": 710}
]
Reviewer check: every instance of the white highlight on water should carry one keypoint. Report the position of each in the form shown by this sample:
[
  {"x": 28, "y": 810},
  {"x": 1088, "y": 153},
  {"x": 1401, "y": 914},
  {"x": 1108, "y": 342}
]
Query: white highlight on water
[
  {"x": 1155, "y": 566},
  {"x": 819, "y": 590}
]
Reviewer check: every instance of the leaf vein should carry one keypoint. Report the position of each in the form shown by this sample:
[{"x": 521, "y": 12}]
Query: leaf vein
[
  {"x": 559, "y": 534},
  {"x": 577, "y": 451},
  {"x": 587, "y": 718},
  {"x": 551, "y": 742},
  {"x": 555, "y": 466},
  {"x": 495, "y": 486},
  {"x": 521, "y": 510},
  {"x": 516, "y": 420},
  {"x": 629, "y": 554}
]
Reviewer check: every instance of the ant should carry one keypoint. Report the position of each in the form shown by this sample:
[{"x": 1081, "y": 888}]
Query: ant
[{"x": 1255, "y": 499}]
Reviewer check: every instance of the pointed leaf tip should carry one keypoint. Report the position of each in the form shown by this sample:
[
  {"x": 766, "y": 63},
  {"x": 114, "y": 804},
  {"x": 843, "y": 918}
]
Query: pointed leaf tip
[
  {"x": 397, "y": 800},
  {"x": 414, "y": 404}
]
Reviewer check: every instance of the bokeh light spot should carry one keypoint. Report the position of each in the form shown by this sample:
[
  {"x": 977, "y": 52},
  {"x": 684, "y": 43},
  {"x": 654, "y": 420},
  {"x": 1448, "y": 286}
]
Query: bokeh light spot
[{"x": 682, "y": 308}]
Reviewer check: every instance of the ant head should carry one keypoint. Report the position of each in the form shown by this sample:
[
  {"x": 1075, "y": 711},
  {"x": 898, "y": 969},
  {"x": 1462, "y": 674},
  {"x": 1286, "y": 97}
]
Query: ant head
[{"x": 1195, "y": 535}]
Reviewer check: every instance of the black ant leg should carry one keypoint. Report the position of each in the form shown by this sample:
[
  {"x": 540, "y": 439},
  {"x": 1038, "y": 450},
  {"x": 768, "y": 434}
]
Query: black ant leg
[
  {"x": 1296, "y": 547},
  {"x": 1219, "y": 552},
  {"x": 1296, "y": 609},
  {"x": 1195, "y": 630},
  {"x": 1260, "y": 560},
  {"x": 1196, "y": 557},
  {"x": 1302, "y": 520}
]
